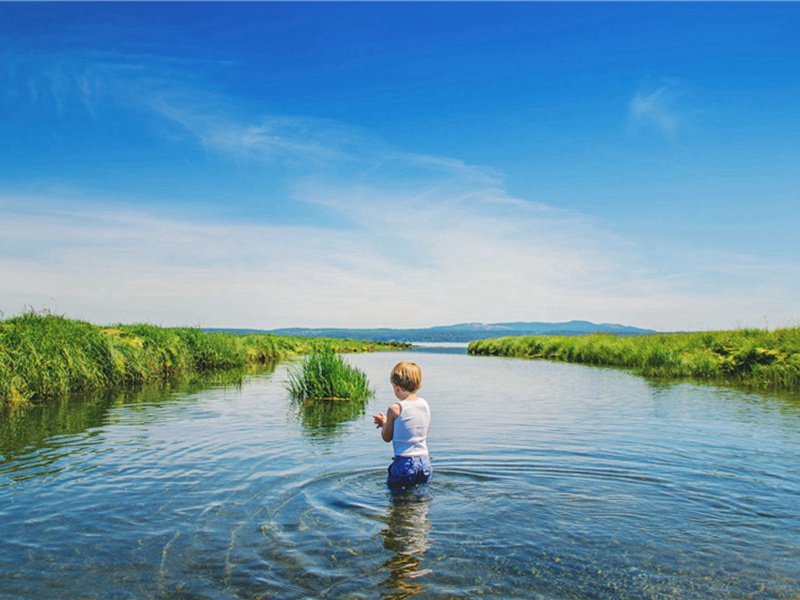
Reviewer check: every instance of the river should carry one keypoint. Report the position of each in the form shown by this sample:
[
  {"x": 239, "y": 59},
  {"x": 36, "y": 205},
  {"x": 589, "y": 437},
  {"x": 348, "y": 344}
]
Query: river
[{"x": 551, "y": 481}]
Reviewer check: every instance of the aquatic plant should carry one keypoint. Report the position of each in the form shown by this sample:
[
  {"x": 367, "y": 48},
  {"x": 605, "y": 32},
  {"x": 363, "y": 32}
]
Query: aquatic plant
[
  {"x": 45, "y": 356},
  {"x": 749, "y": 357},
  {"x": 325, "y": 375}
]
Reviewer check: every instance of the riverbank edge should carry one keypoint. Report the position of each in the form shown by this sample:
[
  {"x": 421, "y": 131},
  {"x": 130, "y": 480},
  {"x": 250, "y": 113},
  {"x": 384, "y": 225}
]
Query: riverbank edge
[
  {"x": 46, "y": 356},
  {"x": 752, "y": 358}
]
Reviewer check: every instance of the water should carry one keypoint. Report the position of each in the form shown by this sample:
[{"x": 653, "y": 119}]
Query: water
[{"x": 551, "y": 481}]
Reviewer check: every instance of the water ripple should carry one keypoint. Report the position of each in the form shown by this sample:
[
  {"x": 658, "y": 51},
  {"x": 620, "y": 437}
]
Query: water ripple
[{"x": 607, "y": 488}]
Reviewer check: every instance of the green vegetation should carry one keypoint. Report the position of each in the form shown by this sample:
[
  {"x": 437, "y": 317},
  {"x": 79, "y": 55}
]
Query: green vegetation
[
  {"x": 753, "y": 358},
  {"x": 327, "y": 391},
  {"x": 45, "y": 356},
  {"x": 325, "y": 375}
]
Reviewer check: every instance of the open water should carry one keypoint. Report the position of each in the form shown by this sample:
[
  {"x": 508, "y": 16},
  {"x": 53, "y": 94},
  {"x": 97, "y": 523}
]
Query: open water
[{"x": 551, "y": 481}]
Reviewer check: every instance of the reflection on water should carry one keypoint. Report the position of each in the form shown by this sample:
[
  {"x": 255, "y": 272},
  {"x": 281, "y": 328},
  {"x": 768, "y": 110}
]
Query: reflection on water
[
  {"x": 321, "y": 418},
  {"x": 406, "y": 535},
  {"x": 33, "y": 425},
  {"x": 552, "y": 481}
]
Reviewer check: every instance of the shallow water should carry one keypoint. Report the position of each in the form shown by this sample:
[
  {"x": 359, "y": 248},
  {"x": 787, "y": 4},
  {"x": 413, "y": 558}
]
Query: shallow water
[{"x": 551, "y": 481}]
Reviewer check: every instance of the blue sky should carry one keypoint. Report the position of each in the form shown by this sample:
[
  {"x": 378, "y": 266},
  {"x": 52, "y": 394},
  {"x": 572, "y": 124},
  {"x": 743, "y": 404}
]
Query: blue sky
[{"x": 401, "y": 164}]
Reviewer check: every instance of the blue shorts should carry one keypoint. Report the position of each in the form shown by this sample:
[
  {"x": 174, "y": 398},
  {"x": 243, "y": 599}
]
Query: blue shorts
[{"x": 409, "y": 470}]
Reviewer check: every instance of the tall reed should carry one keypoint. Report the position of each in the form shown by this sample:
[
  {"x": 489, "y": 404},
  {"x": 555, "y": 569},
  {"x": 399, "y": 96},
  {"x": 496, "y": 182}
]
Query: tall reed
[
  {"x": 325, "y": 375},
  {"x": 749, "y": 357}
]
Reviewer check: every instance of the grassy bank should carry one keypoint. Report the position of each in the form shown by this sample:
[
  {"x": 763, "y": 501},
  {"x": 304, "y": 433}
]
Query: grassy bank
[
  {"x": 753, "y": 358},
  {"x": 45, "y": 356}
]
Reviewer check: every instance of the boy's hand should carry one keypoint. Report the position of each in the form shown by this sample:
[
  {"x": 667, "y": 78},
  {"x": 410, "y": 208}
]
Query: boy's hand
[{"x": 379, "y": 419}]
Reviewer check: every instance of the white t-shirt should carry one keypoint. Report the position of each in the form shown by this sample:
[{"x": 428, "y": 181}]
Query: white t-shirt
[{"x": 411, "y": 428}]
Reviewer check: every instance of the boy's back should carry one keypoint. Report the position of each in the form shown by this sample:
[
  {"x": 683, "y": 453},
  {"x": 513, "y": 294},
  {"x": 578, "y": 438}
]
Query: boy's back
[{"x": 406, "y": 425}]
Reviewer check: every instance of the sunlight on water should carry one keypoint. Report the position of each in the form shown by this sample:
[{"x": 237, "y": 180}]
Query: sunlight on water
[{"x": 550, "y": 481}]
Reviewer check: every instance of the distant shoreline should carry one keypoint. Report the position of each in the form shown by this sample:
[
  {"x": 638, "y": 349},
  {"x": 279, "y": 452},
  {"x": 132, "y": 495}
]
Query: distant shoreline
[{"x": 460, "y": 333}]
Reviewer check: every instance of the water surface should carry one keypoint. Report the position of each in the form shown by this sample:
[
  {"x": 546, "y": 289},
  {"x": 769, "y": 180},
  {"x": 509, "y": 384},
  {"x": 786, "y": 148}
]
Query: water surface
[{"x": 551, "y": 481}]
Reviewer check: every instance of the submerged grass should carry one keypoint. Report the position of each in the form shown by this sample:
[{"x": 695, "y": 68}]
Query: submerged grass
[
  {"x": 749, "y": 357},
  {"x": 45, "y": 356},
  {"x": 325, "y": 375}
]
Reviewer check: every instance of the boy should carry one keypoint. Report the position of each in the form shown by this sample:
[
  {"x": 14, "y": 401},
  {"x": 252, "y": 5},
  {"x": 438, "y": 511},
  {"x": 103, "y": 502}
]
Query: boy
[{"x": 406, "y": 425}]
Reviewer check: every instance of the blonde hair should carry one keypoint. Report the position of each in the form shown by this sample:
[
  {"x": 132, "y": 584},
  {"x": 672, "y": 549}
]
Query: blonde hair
[{"x": 407, "y": 375}]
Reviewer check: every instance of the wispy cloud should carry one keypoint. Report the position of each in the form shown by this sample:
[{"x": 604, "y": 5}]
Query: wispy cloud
[
  {"x": 279, "y": 138},
  {"x": 409, "y": 261},
  {"x": 656, "y": 107}
]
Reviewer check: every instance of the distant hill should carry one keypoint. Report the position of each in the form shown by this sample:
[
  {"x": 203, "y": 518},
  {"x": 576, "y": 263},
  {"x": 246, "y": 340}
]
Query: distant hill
[{"x": 464, "y": 332}]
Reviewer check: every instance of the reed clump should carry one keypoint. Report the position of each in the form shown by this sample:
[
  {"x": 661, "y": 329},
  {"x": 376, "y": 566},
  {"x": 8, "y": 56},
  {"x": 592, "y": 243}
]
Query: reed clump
[
  {"x": 45, "y": 356},
  {"x": 749, "y": 357},
  {"x": 326, "y": 376}
]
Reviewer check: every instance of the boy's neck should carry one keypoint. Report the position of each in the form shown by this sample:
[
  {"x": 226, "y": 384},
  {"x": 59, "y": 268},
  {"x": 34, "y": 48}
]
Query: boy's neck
[{"x": 402, "y": 394}]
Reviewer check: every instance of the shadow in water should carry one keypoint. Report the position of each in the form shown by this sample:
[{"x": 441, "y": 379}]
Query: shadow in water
[{"x": 406, "y": 534}]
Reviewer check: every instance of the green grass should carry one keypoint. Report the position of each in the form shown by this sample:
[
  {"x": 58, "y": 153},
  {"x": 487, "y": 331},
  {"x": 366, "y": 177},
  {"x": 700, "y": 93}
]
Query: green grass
[
  {"x": 325, "y": 375},
  {"x": 748, "y": 357},
  {"x": 327, "y": 391},
  {"x": 45, "y": 356}
]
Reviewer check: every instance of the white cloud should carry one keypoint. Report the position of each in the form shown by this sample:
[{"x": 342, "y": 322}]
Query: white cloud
[
  {"x": 657, "y": 108},
  {"x": 433, "y": 258},
  {"x": 286, "y": 139}
]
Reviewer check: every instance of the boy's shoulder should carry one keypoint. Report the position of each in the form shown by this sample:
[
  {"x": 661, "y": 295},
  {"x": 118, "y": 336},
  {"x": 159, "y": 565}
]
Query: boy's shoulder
[{"x": 423, "y": 402}]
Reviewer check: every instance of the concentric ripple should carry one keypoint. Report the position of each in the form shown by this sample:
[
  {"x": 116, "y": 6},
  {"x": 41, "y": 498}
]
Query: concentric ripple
[{"x": 550, "y": 481}]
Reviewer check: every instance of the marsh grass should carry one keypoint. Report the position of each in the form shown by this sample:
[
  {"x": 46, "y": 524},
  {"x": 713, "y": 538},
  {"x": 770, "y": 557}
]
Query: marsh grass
[
  {"x": 326, "y": 376},
  {"x": 45, "y": 356},
  {"x": 749, "y": 357}
]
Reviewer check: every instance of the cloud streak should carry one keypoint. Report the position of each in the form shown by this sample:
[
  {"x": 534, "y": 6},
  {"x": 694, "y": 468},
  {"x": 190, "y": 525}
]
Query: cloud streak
[{"x": 657, "y": 108}]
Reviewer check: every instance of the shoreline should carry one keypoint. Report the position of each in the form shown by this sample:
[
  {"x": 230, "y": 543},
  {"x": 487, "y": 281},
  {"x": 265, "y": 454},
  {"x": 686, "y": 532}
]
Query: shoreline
[
  {"x": 757, "y": 359},
  {"x": 44, "y": 356}
]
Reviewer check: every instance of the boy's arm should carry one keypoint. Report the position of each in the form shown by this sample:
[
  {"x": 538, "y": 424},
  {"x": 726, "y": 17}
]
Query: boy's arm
[{"x": 387, "y": 422}]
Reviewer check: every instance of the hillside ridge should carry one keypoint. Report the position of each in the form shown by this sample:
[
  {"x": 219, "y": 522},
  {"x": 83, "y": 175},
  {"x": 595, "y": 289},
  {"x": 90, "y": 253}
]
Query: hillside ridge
[{"x": 461, "y": 332}]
